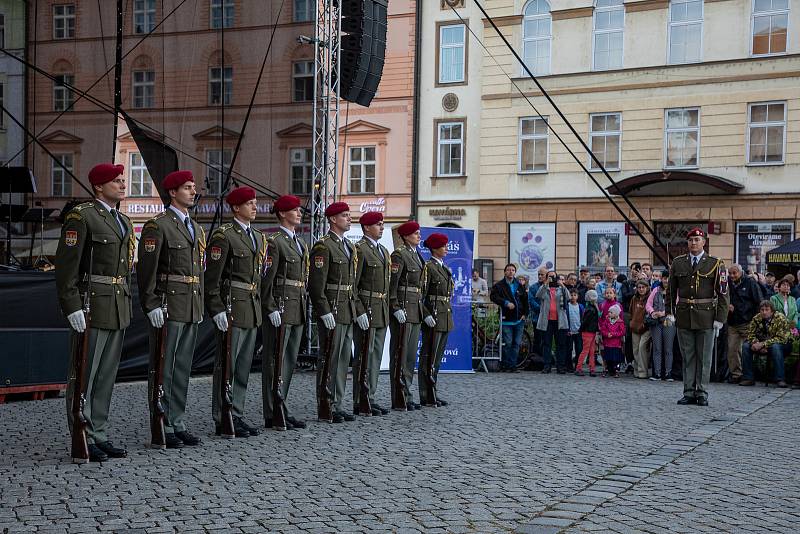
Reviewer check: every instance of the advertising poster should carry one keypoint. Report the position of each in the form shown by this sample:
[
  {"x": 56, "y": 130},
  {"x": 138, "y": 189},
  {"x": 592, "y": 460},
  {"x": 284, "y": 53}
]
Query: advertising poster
[
  {"x": 532, "y": 245},
  {"x": 601, "y": 244},
  {"x": 458, "y": 354},
  {"x": 755, "y": 239}
]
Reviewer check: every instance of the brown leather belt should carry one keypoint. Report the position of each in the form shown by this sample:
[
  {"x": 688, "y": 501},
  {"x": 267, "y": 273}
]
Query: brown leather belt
[
  {"x": 179, "y": 278},
  {"x": 105, "y": 280},
  {"x": 371, "y": 294},
  {"x": 287, "y": 282},
  {"x": 695, "y": 301},
  {"x": 243, "y": 285},
  {"x": 409, "y": 289}
]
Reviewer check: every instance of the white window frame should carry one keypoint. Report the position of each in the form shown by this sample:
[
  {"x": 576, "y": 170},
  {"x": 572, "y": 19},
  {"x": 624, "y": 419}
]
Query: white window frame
[
  {"x": 66, "y": 18},
  {"x": 225, "y": 82},
  {"x": 63, "y": 94},
  {"x": 144, "y": 10},
  {"x": 305, "y": 76},
  {"x": 442, "y": 47},
  {"x": 140, "y": 176},
  {"x": 534, "y": 136},
  {"x": 309, "y": 10},
  {"x": 606, "y": 133},
  {"x": 147, "y": 88},
  {"x": 596, "y": 32},
  {"x": 307, "y": 166},
  {"x": 687, "y": 129},
  {"x": 440, "y": 143},
  {"x": 770, "y": 13},
  {"x": 362, "y": 166},
  {"x": 671, "y": 25},
  {"x": 68, "y": 160},
  {"x": 766, "y": 124},
  {"x": 216, "y": 170},
  {"x": 537, "y": 39},
  {"x": 226, "y": 16}
]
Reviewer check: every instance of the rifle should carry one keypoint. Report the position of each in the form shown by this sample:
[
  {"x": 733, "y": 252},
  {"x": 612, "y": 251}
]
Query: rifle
[
  {"x": 364, "y": 407},
  {"x": 80, "y": 351},
  {"x": 398, "y": 380},
  {"x": 430, "y": 380},
  {"x": 278, "y": 407},
  {"x": 226, "y": 395},
  {"x": 324, "y": 412},
  {"x": 158, "y": 438}
]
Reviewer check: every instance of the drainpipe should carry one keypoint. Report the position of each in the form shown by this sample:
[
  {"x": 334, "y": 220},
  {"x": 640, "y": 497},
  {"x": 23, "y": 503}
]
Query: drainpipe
[{"x": 415, "y": 121}]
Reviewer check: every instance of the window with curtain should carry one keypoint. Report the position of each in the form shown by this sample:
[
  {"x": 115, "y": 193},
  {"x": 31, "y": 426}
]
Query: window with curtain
[
  {"x": 452, "y": 52},
  {"x": 533, "y": 144},
  {"x": 685, "y": 31},
  {"x": 682, "y": 138},
  {"x": 770, "y": 23},
  {"x": 608, "y": 29},
  {"x": 450, "y": 142},
  {"x": 303, "y": 81},
  {"x": 605, "y": 140},
  {"x": 766, "y": 133},
  {"x": 536, "y": 36}
]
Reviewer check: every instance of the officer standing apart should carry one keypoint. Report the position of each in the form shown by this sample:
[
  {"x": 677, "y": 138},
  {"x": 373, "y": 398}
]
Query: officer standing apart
[
  {"x": 283, "y": 297},
  {"x": 98, "y": 242},
  {"x": 330, "y": 285},
  {"x": 438, "y": 322},
  {"x": 236, "y": 255},
  {"x": 171, "y": 263},
  {"x": 698, "y": 301},
  {"x": 372, "y": 305},
  {"x": 405, "y": 302}
]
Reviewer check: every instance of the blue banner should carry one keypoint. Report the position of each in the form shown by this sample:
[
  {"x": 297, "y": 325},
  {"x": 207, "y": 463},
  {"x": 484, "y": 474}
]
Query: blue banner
[{"x": 458, "y": 354}]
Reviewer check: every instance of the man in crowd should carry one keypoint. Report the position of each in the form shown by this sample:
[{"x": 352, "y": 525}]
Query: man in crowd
[
  {"x": 96, "y": 250},
  {"x": 745, "y": 296},
  {"x": 610, "y": 280},
  {"x": 480, "y": 289},
  {"x": 647, "y": 272},
  {"x": 512, "y": 299},
  {"x": 767, "y": 334},
  {"x": 170, "y": 272},
  {"x": 533, "y": 308}
]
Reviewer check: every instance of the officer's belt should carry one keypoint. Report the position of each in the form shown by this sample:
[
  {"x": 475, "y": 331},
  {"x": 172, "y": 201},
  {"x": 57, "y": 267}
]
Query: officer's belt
[
  {"x": 440, "y": 297},
  {"x": 410, "y": 289},
  {"x": 695, "y": 301},
  {"x": 106, "y": 280},
  {"x": 338, "y": 287},
  {"x": 243, "y": 285},
  {"x": 371, "y": 294},
  {"x": 181, "y": 279},
  {"x": 287, "y": 282}
]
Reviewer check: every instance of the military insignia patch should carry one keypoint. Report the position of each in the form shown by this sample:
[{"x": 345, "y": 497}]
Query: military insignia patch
[
  {"x": 395, "y": 267},
  {"x": 268, "y": 263},
  {"x": 150, "y": 244},
  {"x": 216, "y": 253},
  {"x": 71, "y": 238},
  {"x": 319, "y": 262}
]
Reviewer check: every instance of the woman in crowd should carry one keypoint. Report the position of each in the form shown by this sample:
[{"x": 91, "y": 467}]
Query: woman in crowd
[
  {"x": 640, "y": 333},
  {"x": 661, "y": 331},
  {"x": 786, "y": 304},
  {"x": 612, "y": 328},
  {"x": 589, "y": 328}
]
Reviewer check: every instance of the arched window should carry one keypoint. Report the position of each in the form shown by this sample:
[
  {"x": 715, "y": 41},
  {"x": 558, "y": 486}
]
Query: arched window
[
  {"x": 536, "y": 36},
  {"x": 608, "y": 29}
]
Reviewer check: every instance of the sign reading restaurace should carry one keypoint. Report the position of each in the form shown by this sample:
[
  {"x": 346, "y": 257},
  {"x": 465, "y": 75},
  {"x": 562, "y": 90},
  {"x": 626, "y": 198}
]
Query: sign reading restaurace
[{"x": 206, "y": 206}]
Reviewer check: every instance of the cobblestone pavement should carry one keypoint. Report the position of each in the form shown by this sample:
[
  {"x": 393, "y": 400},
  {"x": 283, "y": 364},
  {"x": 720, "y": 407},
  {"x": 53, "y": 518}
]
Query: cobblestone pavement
[{"x": 512, "y": 453}]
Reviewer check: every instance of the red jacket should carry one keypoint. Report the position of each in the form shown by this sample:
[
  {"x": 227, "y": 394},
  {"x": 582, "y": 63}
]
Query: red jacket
[{"x": 612, "y": 333}]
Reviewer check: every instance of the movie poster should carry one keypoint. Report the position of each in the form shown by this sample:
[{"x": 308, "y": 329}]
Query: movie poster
[
  {"x": 532, "y": 245},
  {"x": 755, "y": 239},
  {"x": 601, "y": 244}
]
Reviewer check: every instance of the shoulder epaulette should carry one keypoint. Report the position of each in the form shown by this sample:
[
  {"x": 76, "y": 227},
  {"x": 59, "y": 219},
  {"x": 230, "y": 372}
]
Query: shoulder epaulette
[
  {"x": 219, "y": 232},
  {"x": 681, "y": 256},
  {"x": 83, "y": 206},
  {"x": 150, "y": 224}
]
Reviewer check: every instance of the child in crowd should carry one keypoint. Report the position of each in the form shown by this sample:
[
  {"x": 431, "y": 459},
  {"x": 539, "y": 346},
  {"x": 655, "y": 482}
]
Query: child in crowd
[
  {"x": 610, "y": 296},
  {"x": 574, "y": 313},
  {"x": 589, "y": 328},
  {"x": 612, "y": 328}
]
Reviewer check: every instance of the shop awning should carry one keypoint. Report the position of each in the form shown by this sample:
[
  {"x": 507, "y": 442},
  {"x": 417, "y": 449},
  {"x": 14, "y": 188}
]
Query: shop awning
[
  {"x": 786, "y": 254},
  {"x": 672, "y": 183}
]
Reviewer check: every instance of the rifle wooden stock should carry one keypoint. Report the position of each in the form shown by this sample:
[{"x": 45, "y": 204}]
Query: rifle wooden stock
[
  {"x": 158, "y": 438},
  {"x": 226, "y": 393},
  {"x": 278, "y": 408},
  {"x": 398, "y": 380},
  {"x": 364, "y": 407},
  {"x": 80, "y": 348},
  {"x": 324, "y": 412}
]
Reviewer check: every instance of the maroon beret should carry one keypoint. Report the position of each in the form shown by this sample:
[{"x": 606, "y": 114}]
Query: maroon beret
[
  {"x": 336, "y": 208},
  {"x": 371, "y": 217},
  {"x": 240, "y": 195},
  {"x": 286, "y": 203},
  {"x": 104, "y": 173},
  {"x": 176, "y": 179},
  {"x": 695, "y": 232},
  {"x": 436, "y": 241},
  {"x": 407, "y": 228}
]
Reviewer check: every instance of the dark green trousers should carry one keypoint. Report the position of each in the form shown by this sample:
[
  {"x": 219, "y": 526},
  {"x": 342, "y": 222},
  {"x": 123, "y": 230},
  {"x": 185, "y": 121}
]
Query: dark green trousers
[
  {"x": 409, "y": 358},
  {"x": 372, "y": 359},
  {"x": 291, "y": 348},
  {"x": 243, "y": 343},
  {"x": 433, "y": 345},
  {"x": 178, "y": 356},
  {"x": 341, "y": 352},
  {"x": 697, "y": 348}
]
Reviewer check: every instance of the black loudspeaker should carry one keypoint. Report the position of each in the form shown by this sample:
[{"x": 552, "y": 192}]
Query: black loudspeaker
[
  {"x": 363, "y": 49},
  {"x": 33, "y": 356}
]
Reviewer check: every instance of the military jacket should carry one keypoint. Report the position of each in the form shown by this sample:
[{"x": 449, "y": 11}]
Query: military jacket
[
  {"x": 91, "y": 235},
  {"x": 233, "y": 269},
  {"x": 698, "y": 296},
  {"x": 332, "y": 278},
  {"x": 438, "y": 295},
  {"x": 372, "y": 281},
  {"x": 285, "y": 278},
  {"x": 171, "y": 264},
  {"x": 405, "y": 286}
]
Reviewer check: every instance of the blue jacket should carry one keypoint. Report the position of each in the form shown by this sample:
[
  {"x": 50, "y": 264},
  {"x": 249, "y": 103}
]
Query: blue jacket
[{"x": 533, "y": 303}]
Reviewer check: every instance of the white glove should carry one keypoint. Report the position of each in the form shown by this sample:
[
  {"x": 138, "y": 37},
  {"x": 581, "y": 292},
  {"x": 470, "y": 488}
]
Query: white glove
[
  {"x": 275, "y": 318},
  {"x": 363, "y": 321},
  {"x": 221, "y": 320},
  {"x": 77, "y": 321},
  {"x": 329, "y": 321},
  {"x": 430, "y": 321},
  {"x": 156, "y": 317},
  {"x": 400, "y": 315},
  {"x": 671, "y": 318},
  {"x": 717, "y": 328}
]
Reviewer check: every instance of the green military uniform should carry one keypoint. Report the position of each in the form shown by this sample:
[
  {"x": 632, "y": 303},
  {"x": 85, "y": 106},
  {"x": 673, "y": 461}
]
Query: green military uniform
[
  {"x": 91, "y": 239},
  {"x": 233, "y": 276},
  {"x": 372, "y": 282},
  {"x": 436, "y": 301},
  {"x": 171, "y": 266},
  {"x": 405, "y": 293},
  {"x": 283, "y": 289},
  {"x": 330, "y": 285},
  {"x": 698, "y": 296}
]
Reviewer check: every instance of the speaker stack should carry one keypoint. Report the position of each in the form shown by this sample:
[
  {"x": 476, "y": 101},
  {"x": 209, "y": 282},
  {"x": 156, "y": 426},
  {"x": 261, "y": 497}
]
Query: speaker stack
[{"x": 363, "y": 49}]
